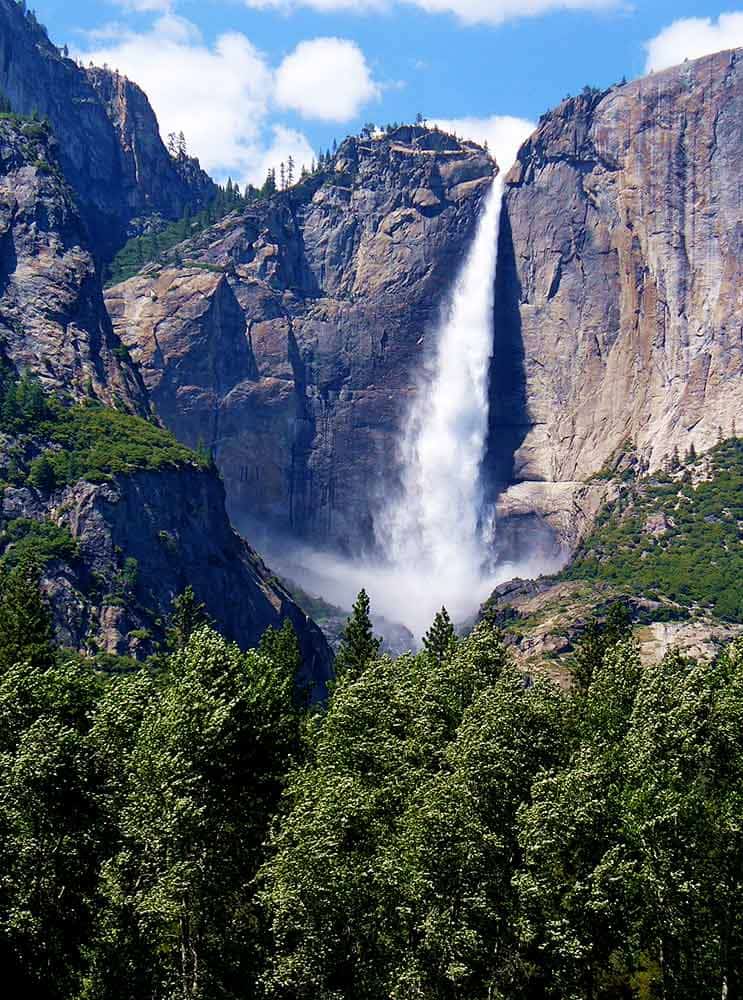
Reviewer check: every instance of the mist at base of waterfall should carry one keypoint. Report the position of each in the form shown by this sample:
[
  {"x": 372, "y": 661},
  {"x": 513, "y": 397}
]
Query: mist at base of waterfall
[{"x": 407, "y": 595}]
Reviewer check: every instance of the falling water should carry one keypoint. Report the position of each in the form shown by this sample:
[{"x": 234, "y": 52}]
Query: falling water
[
  {"x": 435, "y": 536},
  {"x": 435, "y": 527}
]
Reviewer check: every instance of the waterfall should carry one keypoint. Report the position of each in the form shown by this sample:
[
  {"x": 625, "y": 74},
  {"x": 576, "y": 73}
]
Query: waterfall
[
  {"x": 435, "y": 537},
  {"x": 434, "y": 529}
]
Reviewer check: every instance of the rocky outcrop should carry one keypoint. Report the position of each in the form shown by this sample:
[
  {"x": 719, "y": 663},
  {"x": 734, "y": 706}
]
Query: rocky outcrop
[
  {"x": 620, "y": 282},
  {"x": 110, "y": 147},
  {"x": 290, "y": 336},
  {"x": 544, "y": 621},
  {"x": 53, "y": 322},
  {"x": 141, "y": 540}
]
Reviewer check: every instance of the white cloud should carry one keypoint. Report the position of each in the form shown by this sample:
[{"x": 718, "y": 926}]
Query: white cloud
[
  {"x": 504, "y": 134},
  {"x": 285, "y": 142},
  {"x": 326, "y": 79},
  {"x": 469, "y": 11},
  {"x": 221, "y": 96},
  {"x": 692, "y": 37}
]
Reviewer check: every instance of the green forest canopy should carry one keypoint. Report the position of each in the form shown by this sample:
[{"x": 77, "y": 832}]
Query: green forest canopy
[{"x": 443, "y": 828}]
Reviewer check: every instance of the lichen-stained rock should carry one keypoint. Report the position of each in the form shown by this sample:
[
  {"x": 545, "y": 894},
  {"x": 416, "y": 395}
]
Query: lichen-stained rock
[
  {"x": 619, "y": 316},
  {"x": 339, "y": 283},
  {"x": 53, "y": 321},
  {"x": 110, "y": 146}
]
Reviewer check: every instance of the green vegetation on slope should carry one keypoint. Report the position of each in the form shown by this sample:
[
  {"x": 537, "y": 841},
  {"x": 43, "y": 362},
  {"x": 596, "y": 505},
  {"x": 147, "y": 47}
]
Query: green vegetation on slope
[
  {"x": 82, "y": 441},
  {"x": 674, "y": 536},
  {"x": 142, "y": 250},
  {"x": 27, "y": 542}
]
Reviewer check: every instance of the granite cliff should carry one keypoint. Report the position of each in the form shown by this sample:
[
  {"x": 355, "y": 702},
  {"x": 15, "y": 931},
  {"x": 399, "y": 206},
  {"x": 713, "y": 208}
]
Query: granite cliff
[
  {"x": 129, "y": 530},
  {"x": 109, "y": 143},
  {"x": 289, "y": 337},
  {"x": 618, "y": 333},
  {"x": 53, "y": 321}
]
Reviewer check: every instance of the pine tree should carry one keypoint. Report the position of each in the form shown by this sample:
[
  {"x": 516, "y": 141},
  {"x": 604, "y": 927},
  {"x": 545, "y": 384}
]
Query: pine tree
[
  {"x": 188, "y": 615},
  {"x": 25, "y": 622},
  {"x": 41, "y": 475},
  {"x": 692, "y": 452},
  {"x": 290, "y": 172},
  {"x": 599, "y": 637},
  {"x": 182, "y": 148},
  {"x": 360, "y": 646},
  {"x": 440, "y": 640}
]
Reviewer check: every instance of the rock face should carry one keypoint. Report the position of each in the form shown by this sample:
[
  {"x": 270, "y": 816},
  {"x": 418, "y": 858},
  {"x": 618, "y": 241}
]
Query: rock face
[
  {"x": 619, "y": 318},
  {"x": 290, "y": 337},
  {"x": 173, "y": 523},
  {"x": 141, "y": 540},
  {"x": 110, "y": 147},
  {"x": 53, "y": 321}
]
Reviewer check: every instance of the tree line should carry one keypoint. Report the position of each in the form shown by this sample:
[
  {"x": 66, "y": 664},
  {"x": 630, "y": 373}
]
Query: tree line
[{"x": 444, "y": 827}]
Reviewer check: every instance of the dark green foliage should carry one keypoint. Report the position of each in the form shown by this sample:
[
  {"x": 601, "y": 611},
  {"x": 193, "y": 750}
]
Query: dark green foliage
[
  {"x": 197, "y": 768},
  {"x": 360, "y": 646},
  {"x": 141, "y": 250},
  {"x": 696, "y": 559},
  {"x": 600, "y": 635},
  {"x": 97, "y": 443},
  {"x": 42, "y": 476},
  {"x": 84, "y": 441},
  {"x": 53, "y": 831},
  {"x": 443, "y": 829},
  {"x": 441, "y": 638},
  {"x": 25, "y": 622},
  {"x": 188, "y": 615},
  {"x": 36, "y": 543},
  {"x": 342, "y": 888}
]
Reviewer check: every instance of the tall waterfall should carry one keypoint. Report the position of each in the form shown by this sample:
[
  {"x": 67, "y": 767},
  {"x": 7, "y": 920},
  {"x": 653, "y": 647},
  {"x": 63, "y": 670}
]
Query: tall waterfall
[
  {"x": 434, "y": 529},
  {"x": 435, "y": 537}
]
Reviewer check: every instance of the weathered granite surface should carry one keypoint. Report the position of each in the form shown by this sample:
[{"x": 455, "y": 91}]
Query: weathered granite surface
[
  {"x": 172, "y": 525},
  {"x": 619, "y": 319},
  {"x": 53, "y": 321},
  {"x": 289, "y": 337},
  {"x": 110, "y": 146},
  {"x": 53, "y": 324}
]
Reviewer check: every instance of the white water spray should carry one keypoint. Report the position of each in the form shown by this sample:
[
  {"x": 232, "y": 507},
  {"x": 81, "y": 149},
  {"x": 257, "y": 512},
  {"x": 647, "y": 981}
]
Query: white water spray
[
  {"x": 436, "y": 537},
  {"x": 435, "y": 528}
]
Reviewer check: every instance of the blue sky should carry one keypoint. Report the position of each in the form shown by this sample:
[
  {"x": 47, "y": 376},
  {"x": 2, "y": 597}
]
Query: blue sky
[{"x": 251, "y": 80}]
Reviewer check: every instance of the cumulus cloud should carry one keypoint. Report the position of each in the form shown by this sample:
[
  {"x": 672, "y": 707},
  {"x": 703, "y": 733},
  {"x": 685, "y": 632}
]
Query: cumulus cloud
[
  {"x": 326, "y": 79},
  {"x": 469, "y": 11},
  {"x": 692, "y": 37},
  {"x": 222, "y": 95},
  {"x": 504, "y": 134}
]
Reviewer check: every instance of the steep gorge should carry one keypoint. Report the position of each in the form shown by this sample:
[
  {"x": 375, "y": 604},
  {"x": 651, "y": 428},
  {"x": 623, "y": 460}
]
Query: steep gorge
[{"x": 290, "y": 337}]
